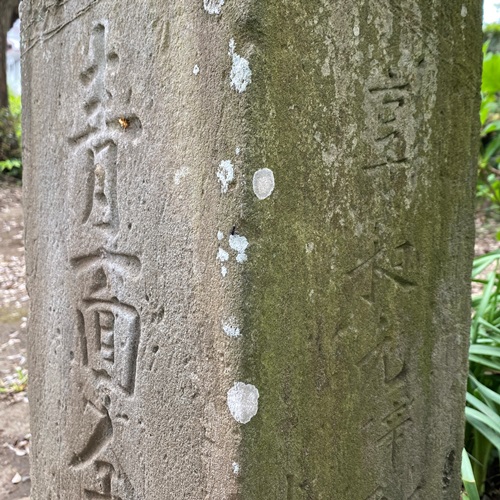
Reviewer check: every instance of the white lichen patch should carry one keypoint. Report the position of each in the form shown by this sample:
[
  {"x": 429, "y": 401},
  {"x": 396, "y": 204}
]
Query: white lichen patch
[
  {"x": 463, "y": 12},
  {"x": 230, "y": 328},
  {"x": 236, "y": 468},
  {"x": 263, "y": 183},
  {"x": 222, "y": 255},
  {"x": 225, "y": 174},
  {"x": 180, "y": 174},
  {"x": 239, "y": 244},
  {"x": 213, "y": 6},
  {"x": 196, "y": 69},
  {"x": 241, "y": 74},
  {"x": 243, "y": 402}
]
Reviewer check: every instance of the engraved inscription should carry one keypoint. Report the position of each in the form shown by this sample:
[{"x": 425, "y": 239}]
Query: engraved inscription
[
  {"x": 390, "y": 269},
  {"x": 101, "y": 209},
  {"x": 388, "y": 102},
  {"x": 394, "y": 424},
  {"x": 101, "y": 147},
  {"x": 104, "y": 481},
  {"x": 112, "y": 337},
  {"x": 100, "y": 428},
  {"x": 107, "y": 319},
  {"x": 109, "y": 329},
  {"x": 103, "y": 474},
  {"x": 108, "y": 336},
  {"x": 389, "y": 403},
  {"x": 385, "y": 280},
  {"x": 390, "y": 420},
  {"x": 102, "y": 131},
  {"x": 388, "y": 114},
  {"x": 385, "y": 265}
]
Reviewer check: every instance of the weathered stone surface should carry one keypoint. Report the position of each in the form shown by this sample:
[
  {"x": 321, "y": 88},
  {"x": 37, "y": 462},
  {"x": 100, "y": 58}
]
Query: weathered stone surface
[{"x": 249, "y": 233}]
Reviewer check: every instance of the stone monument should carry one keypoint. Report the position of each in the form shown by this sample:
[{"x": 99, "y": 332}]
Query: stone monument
[{"x": 249, "y": 230}]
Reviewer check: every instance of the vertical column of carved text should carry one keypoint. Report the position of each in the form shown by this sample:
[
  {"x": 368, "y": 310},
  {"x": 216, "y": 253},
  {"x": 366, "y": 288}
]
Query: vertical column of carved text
[
  {"x": 391, "y": 272},
  {"x": 108, "y": 328}
]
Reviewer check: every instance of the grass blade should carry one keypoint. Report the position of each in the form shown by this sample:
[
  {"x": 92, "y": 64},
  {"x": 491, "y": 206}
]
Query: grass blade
[{"x": 468, "y": 477}]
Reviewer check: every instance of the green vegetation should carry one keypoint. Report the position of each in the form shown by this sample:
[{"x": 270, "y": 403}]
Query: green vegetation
[
  {"x": 15, "y": 383},
  {"x": 482, "y": 432},
  {"x": 482, "y": 436},
  {"x": 10, "y": 138},
  {"x": 488, "y": 185},
  {"x": 492, "y": 36},
  {"x": 471, "y": 492}
]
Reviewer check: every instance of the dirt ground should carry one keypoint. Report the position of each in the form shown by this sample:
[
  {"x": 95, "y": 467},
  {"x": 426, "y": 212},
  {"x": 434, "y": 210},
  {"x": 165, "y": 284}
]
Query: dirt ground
[{"x": 14, "y": 417}]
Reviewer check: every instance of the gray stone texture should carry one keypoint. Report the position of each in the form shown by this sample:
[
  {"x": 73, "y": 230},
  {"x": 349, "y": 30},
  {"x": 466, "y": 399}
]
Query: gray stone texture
[{"x": 192, "y": 338}]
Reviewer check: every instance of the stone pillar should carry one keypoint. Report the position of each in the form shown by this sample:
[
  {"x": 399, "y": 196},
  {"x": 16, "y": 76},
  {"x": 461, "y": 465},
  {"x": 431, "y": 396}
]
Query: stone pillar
[{"x": 249, "y": 233}]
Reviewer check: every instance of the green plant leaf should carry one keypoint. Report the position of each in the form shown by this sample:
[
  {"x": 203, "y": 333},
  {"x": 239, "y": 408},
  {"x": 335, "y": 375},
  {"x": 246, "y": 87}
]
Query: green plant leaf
[
  {"x": 485, "y": 350},
  {"x": 488, "y": 325},
  {"x": 482, "y": 262},
  {"x": 482, "y": 423},
  {"x": 491, "y": 73},
  {"x": 490, "y": 416},
  {"x": 486, "y": 392},
  {"x": 491, "y": 127},
  {"x": 488, "y": 105},
  {"x": 491, "y": 149},
  {"x": 484, "y": 362},
  {"x": 468, "y": 479},
  {"x": 483, "y": 305}
]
